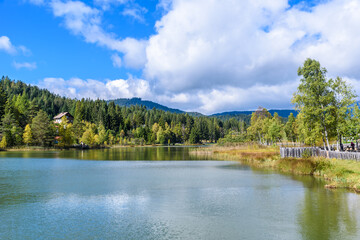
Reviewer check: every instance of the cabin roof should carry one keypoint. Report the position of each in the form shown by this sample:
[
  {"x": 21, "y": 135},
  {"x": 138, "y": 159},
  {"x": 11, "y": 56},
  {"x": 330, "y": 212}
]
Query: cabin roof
[{"x": 60, "y": 115}]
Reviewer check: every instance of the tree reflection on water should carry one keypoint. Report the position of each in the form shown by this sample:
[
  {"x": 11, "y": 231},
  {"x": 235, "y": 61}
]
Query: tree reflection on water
[{"x": 326, "y": 214}]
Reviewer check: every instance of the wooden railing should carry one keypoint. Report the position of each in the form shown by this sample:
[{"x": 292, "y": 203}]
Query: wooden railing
[{"x": 298, "y": 152}]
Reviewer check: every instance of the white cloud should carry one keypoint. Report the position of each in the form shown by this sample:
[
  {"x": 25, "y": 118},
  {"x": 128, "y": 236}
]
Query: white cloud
[
  {"x": 106, "y": 4},
  {"x": 116, "y": 60},
  {"x": 24, "y": 50},
  {"x": 27, "y": 65},
  {"x": 85, "y": 21},
  {"x": 211, "y": 56},
  {"x": 135, "y": 12},
  {"x": 94, "y": 89},
  {"x": 237, "y": 98},
  {"x": 207, "y": 44},
  {"x": 166, "y": 5},
  {"x": 6, "y": 45}
]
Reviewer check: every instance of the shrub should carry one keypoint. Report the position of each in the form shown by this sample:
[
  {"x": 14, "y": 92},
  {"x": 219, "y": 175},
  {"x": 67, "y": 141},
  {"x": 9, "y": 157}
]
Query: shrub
[{"x": 306, "y": 153}]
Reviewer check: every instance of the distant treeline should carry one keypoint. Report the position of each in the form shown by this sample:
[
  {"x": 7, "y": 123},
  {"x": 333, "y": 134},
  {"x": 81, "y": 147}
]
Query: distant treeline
[{"x": 26, "y": 114}]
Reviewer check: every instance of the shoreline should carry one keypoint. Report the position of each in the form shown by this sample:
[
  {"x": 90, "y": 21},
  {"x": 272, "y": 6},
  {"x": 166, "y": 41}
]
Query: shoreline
[
  {"x": 337, "y": 173},
  {"x": 49, "y": 149}
]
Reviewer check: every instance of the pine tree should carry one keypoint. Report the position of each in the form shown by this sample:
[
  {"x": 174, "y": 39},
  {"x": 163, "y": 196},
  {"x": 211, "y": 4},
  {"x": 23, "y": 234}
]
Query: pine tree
[
  {"x": 8, "y": 122},
  {"x": 42, "y": 129},
  {"x": 3, "y": 99},
  {"x": 194, "y": 137}
]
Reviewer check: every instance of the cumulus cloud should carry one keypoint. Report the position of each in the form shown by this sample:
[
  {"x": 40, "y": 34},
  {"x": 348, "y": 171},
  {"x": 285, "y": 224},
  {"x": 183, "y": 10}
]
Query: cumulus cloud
[
  {"x": 210, "y": 56},
  {"x": 205, "y": 44},
  {"x": 242, "y": 43},
  {"x": 236, "y": 98},
  {"x": 95, "y": 89},
  {"x": 27, "y": 65},
  {"x": 6, "y": 45},
  {"x": 85, "y": 21}
]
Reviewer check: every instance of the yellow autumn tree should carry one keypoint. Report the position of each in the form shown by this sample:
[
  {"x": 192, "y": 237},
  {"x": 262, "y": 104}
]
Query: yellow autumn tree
[
  {"x": 28, "y": 136},
  {"x": 3, "y": 143}
]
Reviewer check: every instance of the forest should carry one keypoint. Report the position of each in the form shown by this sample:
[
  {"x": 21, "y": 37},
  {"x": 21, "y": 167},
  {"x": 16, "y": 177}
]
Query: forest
[
  {"x": 26, "y": 114},
  {"x": 327, "y": 112}
]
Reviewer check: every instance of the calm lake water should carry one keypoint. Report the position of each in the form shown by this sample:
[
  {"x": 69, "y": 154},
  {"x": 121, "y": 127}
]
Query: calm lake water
[{"x": 68, "y": 195}]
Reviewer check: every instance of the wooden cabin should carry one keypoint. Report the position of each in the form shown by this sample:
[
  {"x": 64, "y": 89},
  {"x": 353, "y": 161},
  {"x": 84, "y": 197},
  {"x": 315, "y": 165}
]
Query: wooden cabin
[{"x": 69, "y": 117}]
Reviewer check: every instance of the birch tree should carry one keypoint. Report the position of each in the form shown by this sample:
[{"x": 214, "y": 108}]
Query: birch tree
[{"x": 314, "y": 99}]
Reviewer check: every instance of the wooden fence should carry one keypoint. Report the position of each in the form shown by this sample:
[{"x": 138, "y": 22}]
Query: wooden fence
[{"x": 298, "y": 152}]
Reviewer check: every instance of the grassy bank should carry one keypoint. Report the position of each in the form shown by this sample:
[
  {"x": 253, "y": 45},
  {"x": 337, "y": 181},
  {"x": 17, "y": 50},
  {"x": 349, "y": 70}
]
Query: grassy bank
[
  {"x": 29, "y": 149},
  {"x": 53, "y": 148},
  {"x": 338, "y": 173},
  {"x": 57, "y": 148}
]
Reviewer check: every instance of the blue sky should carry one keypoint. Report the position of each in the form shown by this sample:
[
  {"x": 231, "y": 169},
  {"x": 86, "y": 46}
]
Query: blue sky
[
  {"x": 56, "y": 51},
  {"x": 197, "y": 55}
]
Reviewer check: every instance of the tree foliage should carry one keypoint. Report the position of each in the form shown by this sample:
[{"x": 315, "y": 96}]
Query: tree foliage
[
  {"x": 28, "y": 136},
  {"x": 323, "y": 103},
  {"x": 43, "y": 130}
]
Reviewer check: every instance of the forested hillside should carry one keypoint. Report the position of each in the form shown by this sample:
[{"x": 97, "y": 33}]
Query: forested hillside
[
  {"x": 26, "y": 114},
  {"x": 246, "y": 115},
  {"x": 128, "y": 102}
]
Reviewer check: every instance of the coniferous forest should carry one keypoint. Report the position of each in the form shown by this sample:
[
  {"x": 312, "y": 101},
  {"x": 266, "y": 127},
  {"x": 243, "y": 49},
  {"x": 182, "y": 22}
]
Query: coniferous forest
[{"x": 26, "y": 114}]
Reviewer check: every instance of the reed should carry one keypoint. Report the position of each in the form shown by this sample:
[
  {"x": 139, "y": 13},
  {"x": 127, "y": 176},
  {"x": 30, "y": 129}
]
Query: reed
[{"x": 337, "y": 173}]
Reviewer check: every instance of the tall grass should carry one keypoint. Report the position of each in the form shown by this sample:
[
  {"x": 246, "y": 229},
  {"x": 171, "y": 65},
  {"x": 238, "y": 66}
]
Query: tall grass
[{"x": 338, "y": 173}]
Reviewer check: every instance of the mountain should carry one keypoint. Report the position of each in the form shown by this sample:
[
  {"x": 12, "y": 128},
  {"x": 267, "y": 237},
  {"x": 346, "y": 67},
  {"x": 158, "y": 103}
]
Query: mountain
[
  {"x": 148, "y": 104},
  {"x": 241, "y": 115},
  {"x": 282, "y": 113}
]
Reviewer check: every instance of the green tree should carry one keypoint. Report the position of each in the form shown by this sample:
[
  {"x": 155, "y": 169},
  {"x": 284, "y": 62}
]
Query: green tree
[
  {"x": 154, "y": 130},
  {"x": 259, "y": 125},
  {"x": 344, "y": 99},
  {"x": 3, "y": 99},
  {"x": 79, "y": 112},
  {"x": 275, "y": 129},
  {"x": 43, "y": 129},
  {"x": 8, "y": 123},
  {"x": 103, "y": 135},
  {"x": 307, "y": 132},
  {"x": 160, "y": 136},
  {"x": 194, "y": 137},
  {"x": 315, "y": 99},
  {"x": 88, "y": 136},
  {"x": 65, "y": 133},
  {"x": 353, "y": 124},
  {"x": 290, "y": 128}
]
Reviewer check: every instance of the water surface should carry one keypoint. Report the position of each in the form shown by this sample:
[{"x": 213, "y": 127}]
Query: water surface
[{"x": 57, "y": 196}]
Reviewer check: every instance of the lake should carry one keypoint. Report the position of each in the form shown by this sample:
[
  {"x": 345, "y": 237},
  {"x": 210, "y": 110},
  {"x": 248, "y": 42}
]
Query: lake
[{"x": 74, "y": 195}]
